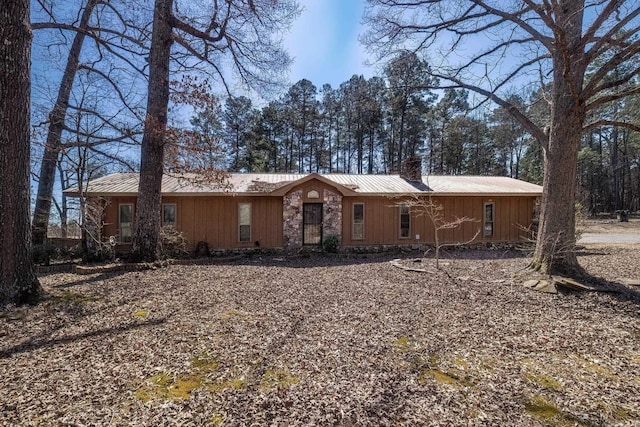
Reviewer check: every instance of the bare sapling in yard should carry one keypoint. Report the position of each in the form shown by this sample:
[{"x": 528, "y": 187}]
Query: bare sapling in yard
[
  {"x": 434, "y": 211},
  {"x": 95, "y": 246}
]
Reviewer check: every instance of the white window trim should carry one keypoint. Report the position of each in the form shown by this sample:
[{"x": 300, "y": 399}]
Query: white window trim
[
  {"x": 353, "y": 221},
  {"x": 120, "y": 205},
  {"x": 240, "y": 224},
  {"x": 408, "y": 208}
]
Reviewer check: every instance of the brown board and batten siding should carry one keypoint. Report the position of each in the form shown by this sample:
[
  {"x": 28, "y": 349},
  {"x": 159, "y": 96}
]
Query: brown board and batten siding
[
  {"x": 210, "y": 212},
  {"x": 382, "y": 220},
  {"x": 214, "y": 219},
  {"x": 512, "y": 214},
  {"x": 110, "y": 225}
]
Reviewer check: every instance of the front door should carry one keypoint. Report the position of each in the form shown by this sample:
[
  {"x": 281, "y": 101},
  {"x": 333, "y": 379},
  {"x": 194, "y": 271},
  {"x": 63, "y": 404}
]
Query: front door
[{"x": 312, "y": 223}]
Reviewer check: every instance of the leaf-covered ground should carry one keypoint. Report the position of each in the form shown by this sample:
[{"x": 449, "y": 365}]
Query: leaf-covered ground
[{"x": 326, "y": 341}]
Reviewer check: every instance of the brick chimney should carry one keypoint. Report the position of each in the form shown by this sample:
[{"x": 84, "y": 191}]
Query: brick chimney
[{"x": 411, "y": 169}]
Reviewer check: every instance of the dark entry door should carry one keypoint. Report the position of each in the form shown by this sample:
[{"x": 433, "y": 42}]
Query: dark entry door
[{"x": 312, "y": 223}]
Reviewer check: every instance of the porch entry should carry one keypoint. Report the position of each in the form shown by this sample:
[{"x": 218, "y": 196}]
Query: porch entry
[{"x": 312, "y": 223}]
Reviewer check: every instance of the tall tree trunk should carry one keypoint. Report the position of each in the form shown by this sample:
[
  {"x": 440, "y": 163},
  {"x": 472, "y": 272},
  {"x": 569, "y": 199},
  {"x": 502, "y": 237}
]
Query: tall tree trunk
[
  {"x": 64, "y": 208},
  {"x": 615, "y": 169},
  {"x": 18, "y": 282},
  {"x": 330, "y": 147},
  {"x": 556, "y": 240},
  {"x": 53, "y": 144},
  {"x": 625, "y": 171},
  {"x": 555, "y": 244},
  {"x": 147, "y": 223},
  {"x": 371, "y": 142},
  {"x": 401, "y": 137}
]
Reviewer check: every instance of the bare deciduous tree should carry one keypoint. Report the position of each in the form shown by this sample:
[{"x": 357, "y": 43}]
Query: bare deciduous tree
[
  {"x": 56, "y": 125},
  {"x": 489, "y": 47},
  {"x": 18, "y": 282},
  {"x": 95, "y": 246},
  {"x": 246, "y": 32},
  {"x": 110, "y": 45},
  {"x": 428, "y": 207}
]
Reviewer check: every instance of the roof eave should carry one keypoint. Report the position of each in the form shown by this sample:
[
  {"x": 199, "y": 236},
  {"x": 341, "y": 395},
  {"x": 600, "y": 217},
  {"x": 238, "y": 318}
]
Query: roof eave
[
  {"x": 169, "y": 194},
  {"x": 281, "y": 192},
  {"x": 490, "y": 194}
]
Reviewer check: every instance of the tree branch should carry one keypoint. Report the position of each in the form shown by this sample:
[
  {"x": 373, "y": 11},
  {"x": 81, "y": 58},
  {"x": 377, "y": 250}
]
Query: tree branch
[
  {"x": 605, "y": 99},
  {"x": 527, "y": 123},
  {"x": 614, "y": 123}
]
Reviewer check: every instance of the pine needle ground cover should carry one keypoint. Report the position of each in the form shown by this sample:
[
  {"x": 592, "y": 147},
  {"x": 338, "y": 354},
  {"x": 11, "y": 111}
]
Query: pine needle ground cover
[{"x": 326, "y": 341}]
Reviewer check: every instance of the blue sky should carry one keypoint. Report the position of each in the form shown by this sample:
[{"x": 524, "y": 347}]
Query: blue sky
[{"x": 324, "y": 42}]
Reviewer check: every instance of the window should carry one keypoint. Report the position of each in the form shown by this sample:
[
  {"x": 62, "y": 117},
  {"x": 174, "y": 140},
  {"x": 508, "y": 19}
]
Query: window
[
  {"x": 125, "y": 222},
  {"x": 405, "y": 222},
  {"x": 244, "y": 222},
  {"x": 357, "y": 229},
  {"x": 488, "y": 219},
  {"x": 169, "y": 214}
]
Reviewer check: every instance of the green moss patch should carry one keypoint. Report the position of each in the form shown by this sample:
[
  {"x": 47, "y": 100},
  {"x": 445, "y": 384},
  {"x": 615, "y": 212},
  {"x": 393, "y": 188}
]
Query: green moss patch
[
  {"x": 180, "y": 386},
  {"x": 235, "y": 383},
  {"x": 170, "y": 387},
  {"x": 461, "y": 363},
  {"x": 204, "y": 361},
  {"x": 404, "y": 343},
  {"x": 544, "y": 381},
  {"x": 216, "y": 420},
  {"x": 439, "y": 376},
  {"x": 74, "y": 297},
  {"x": 538, "y": 407},
  {"x": 625, "y": 414},
  {"x": 277, "y": 378},
  {"x": 618, "y": 413},
  {"x": 598, "y": 369},
  {"x": 429, "y": 370},
  {"x": 444, "y": 377}
]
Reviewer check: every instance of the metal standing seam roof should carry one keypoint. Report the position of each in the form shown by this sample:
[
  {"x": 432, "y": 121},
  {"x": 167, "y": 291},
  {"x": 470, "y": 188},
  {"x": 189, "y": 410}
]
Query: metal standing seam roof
[
  {"x": 460, "y": 184},
  {"x": 263, "y": 183}
]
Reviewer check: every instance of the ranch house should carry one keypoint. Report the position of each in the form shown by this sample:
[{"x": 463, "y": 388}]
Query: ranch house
[{"x": 289, "y": 211}]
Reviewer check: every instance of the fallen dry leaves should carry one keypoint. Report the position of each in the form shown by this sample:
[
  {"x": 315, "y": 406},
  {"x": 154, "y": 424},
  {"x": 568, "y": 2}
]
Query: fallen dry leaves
[{"x": 326, "y": 341}]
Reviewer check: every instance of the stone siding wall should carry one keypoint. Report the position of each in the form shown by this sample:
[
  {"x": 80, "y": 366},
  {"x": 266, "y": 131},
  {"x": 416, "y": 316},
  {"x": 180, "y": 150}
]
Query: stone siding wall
[
  {"x": 292, "y": 220},
  {"x": 332, "y": 215}
]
